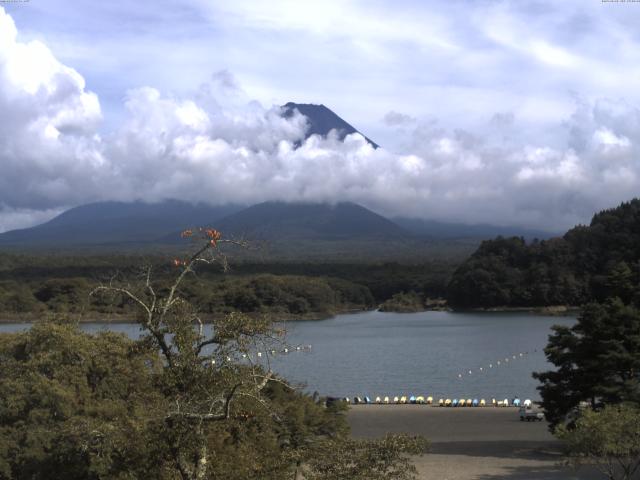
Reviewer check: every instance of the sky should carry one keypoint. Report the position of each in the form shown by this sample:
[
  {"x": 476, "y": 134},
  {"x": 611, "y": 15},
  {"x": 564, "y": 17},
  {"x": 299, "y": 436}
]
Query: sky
[{"x": 521, "y": 112}]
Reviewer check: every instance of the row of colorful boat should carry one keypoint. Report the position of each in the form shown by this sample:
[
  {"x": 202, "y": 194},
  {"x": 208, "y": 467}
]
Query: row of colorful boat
[{"x": 442, "y": 402}]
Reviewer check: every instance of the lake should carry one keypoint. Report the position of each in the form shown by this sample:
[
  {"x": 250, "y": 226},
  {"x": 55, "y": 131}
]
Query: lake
[{"x": 443, "y": 354}]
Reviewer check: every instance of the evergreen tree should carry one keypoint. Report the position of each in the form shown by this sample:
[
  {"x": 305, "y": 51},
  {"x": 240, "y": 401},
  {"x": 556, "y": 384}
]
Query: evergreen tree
[{"x": 597, "y": 360}]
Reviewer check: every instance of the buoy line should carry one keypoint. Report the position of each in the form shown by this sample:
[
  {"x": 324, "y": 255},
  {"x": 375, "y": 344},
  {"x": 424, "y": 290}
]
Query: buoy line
[
  {"x": 264, "y": 354},
  {"x": 502, "y": 362}
]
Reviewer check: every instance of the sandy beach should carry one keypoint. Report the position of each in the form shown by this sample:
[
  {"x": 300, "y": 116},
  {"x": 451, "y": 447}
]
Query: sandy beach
[{"x": 471, "y": 443}]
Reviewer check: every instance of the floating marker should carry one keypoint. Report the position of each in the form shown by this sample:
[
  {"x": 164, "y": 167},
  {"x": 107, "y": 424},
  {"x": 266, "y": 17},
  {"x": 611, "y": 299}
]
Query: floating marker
[{"x": 259, "y": 354}]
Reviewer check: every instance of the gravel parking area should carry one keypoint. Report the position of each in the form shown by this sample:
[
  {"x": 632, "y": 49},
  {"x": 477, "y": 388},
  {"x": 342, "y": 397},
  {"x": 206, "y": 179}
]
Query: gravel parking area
[{"x": 471, "y": 443}]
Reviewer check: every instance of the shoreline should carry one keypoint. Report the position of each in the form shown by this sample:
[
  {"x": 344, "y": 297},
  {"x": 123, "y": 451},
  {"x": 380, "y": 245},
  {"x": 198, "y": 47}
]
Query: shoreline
[
  {"x": 121, "y": 319},
  {"x": 550, "y": 311}
]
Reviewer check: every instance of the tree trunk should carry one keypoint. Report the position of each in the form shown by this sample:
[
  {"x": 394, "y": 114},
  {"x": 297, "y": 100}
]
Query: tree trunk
[{"x": 202, "y": 463}]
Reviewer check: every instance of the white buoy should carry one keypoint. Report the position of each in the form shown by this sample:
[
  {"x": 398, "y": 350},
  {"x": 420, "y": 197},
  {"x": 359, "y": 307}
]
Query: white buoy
[
  {"x": 259, "y": 354},
  {"x": 480, "y": 368},
  {"x": 459, "y": 375},
  {"x": 469, "y": 372},
  {"x": 491, "y": 365}
]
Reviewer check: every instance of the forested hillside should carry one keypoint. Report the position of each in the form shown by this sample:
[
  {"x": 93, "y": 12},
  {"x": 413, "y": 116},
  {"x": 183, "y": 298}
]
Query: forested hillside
[{"x": 587, "y": 263}]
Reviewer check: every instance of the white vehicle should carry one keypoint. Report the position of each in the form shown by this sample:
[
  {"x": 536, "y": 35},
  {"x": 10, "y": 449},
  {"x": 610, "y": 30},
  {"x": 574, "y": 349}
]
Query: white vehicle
[{"x": 530, "y": 415}]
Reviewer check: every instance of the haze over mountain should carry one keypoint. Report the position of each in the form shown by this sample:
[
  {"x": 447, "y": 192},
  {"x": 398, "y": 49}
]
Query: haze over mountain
[
  {"x": 322, "y": 120},
  {"x": 451, "y": 230}
]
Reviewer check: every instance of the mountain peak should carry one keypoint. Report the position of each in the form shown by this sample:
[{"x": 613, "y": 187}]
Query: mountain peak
[{"x": 322, "y": 120}]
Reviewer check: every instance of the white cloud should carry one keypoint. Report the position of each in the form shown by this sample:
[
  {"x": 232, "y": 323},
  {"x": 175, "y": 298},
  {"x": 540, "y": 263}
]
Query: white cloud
[{"x": 216, "y": 145}]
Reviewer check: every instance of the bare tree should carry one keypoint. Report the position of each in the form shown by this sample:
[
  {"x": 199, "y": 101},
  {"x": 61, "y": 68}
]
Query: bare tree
[{"x": 211, "y": 364}]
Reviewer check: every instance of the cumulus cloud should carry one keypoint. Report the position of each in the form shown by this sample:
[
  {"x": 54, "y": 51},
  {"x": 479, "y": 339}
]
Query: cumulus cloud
[{"x": 216, "y": 146}]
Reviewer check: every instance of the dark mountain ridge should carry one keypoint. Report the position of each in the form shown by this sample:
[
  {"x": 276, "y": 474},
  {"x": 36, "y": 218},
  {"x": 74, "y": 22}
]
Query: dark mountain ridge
[
  {"x": 104, "y": 223},
  {"x": 273, "y": 220}
]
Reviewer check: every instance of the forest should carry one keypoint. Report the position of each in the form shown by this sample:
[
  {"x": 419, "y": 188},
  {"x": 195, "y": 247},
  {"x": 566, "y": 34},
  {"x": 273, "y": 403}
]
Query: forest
[
  {"x": 33, "y": 285},
  {"x": 587, "y": 263}
]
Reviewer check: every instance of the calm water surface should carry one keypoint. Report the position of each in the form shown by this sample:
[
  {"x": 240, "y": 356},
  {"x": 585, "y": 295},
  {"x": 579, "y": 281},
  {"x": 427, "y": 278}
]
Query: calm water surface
[{"x": 376, "y": 353}]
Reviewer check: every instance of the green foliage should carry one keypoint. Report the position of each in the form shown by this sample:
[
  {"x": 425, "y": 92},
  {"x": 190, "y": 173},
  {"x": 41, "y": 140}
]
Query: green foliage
[
  {"x": 597, "y": 360},
  {"x": 76, "y": 406},
  {"x": 381, "y": 459},
  {"x": 403, "y": 303},
  {"x": 609, "y": 438},
  {"x": 587, "y": 263}
]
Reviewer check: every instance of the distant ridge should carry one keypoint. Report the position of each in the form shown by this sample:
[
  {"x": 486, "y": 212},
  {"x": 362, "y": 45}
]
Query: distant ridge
[
  {"x": 280, "y": 220},
  {"x": 449, "y": 230},
  {"x": 108, "y": 223},
  {"x": 322, "y": 120}
]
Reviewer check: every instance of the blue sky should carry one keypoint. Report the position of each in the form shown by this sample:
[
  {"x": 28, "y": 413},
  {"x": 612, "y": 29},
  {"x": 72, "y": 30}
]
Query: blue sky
[{"x": 488, "y": 111}]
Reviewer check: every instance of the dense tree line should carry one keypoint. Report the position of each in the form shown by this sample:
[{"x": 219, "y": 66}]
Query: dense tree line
[
  {"x": 587, "y": 263},
  {"x": 33, "y": 285},
  {"x": 284, "y": 294}
]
